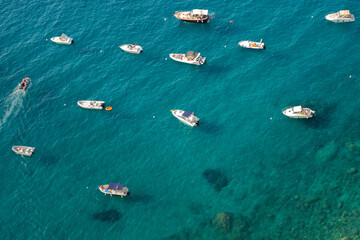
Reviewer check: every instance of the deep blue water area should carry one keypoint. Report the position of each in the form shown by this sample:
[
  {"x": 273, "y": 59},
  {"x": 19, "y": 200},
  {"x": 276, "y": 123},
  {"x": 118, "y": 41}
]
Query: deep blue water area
[{"x": 246, "y": 172}]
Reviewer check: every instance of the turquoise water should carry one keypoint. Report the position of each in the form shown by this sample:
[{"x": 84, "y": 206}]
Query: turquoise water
[{"x": 280, "y": 178}]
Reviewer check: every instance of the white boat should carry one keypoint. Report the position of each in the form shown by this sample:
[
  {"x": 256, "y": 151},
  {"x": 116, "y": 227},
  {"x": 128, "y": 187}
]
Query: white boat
[
  {"x": 186, "y": 117},
  {"x": 63, "y": 39},
  {"x": 23, "y": 150},
  {"x": 131, "y": 48},
  {"x": 190, "y": 57},
  {"x": 340, "y": 16},
  {"x": 99, "y": 105},
  {"x": 298, "y": 112},
  {"x": 252, "y": 45},
  {"x": 115, "y": 189},
  {"x": 194, "y": 16},
  {"x": 24, "y": 84}
]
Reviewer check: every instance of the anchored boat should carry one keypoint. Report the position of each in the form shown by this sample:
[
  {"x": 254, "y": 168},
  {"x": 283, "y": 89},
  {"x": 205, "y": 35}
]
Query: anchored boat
[
  {"x": 23, "y": 150},
  {"x": 24, "y": 84},
  {"x": 190, "y": 57},
  {"x": 252, "y": 45},
  {"x": 63, "y": 39},
  {"x": 131, "y": 48},
  {"x": 340, "y": 16},
  {"x": 115, "y": 189},
  {"x": 186, "y": 117},
  {"x": 298, "y": 112},
  {"x": 98, "y": 105},
  {"x": 194, "y": 16}
]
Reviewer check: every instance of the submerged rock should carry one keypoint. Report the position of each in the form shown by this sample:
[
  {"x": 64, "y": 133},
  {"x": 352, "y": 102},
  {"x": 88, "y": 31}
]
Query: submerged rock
[
  {"x": 107, "y": 216},
  {"x": 327, "y": 152},
  {"x": 224, "y": 221},
  {"x": 352, "y": 171},
  {"x": 216, "y": 179}
]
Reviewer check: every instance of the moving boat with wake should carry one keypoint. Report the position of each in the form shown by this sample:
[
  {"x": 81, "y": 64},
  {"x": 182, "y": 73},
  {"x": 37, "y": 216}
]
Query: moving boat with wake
[
  {"x": 24, "y": 84},
  {"x": 23, "y": 150},
  {"x": 190, "y": 57},
  {"x": 115, "y": 189},
  {"x": 186, "y": 117},
  {"x": 131, "y": 48},
  {"x": 88, "y": 104}
]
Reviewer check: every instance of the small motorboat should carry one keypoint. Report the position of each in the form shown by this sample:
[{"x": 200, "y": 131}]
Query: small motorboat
[
  {"x": 190, "y": 57},
  {"x": 252, "y": 45},
  {"x": 186, "y": 117},
  {"x": 298, "y": 112},
  {"x": 115, "y": 189},
  {"x": 98, "y": 105},
  {"x": 340, "y": 16},
  {"x": 63, "y": 39},
  {"x": 131, "y": 48},
  {"x": 194, "y": 16},
  {"x": 24, "y": 84},
  {"x": 23, "y": 150}
]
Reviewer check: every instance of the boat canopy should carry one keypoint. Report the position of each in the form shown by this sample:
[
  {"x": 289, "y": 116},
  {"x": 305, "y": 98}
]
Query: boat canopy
[
  {"x": 187, "y": 114},
  {"x": 66, "y": 38},
  {"x": 200, "y": 12},
  {"x": 192, "y": 54},
  {"x": 116, "y": 186},
  {"x": 297, "y": 109},
  {"x": 344, "y": 12}
]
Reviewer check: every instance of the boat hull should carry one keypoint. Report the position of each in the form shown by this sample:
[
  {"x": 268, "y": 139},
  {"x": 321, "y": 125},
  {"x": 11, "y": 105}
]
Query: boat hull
[
  {"x": 96, "y": 105},
  {"x": 27, "y": 83},
  {"x": 339, "y": 20},
  {"x": 184, "y": 19},
  {"x": 252, "y": 45},
  {"x": 306, "y": 114},
  {"x": 178, "y": 114},
  {"x": 137, "y": 50},
  {"x": 105, "y": 190},
  {"x": 59, "y": 41},
  {"x": 182, "y": 59},
  {"x": 23, "y": 150}
]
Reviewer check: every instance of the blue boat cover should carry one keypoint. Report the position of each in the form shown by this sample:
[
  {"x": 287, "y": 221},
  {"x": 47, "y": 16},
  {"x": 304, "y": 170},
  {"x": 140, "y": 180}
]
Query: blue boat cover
[
  {"x": 115, "y": 186},
  {"x": 187, "y": 113}
]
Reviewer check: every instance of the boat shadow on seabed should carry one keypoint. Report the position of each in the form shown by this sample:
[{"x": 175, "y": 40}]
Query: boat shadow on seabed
[{"x": 323, "y": 116}]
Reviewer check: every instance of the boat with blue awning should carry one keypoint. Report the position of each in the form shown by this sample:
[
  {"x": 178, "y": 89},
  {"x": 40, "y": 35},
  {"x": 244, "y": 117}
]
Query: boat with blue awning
[
  {"x": 115, "y": 189},
  {"x": 186, "y": 117}
]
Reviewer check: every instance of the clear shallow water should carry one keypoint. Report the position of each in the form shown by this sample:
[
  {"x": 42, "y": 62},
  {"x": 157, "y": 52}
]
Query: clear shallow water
[{"x": 287, "y": 179}]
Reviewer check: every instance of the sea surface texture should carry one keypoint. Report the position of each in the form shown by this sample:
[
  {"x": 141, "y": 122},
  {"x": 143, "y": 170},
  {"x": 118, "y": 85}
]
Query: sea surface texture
[{"x": 246, "y": 172}]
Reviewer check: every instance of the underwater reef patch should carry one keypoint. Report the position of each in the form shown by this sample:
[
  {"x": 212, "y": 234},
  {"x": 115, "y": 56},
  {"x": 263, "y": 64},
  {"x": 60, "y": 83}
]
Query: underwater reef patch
[
  {"x": 107, "y": 216},
  {"x": 216, "y": 179}
]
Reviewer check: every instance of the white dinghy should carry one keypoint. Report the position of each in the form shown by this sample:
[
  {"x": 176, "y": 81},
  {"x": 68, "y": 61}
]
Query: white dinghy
[
  {"x": 340, "y": 16},
  {"x": 252, "y": 45},
  {"x": 131, "y": 48},
  {"x": 63, "y": 39},
  {"x": 298, "y": 112},
  {"x": 115, "y": 189},
  {"x": 190, "y": 57},
  {"x": 98, "y": 105},
  {"x": 23, "y": 150},
  {"x": 186, "y": 117}
]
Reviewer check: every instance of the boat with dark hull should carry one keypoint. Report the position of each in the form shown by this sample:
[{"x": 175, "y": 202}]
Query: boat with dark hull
[
  {"x": 24, "y": 84},
  {"x": 194, "y": 16}
]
